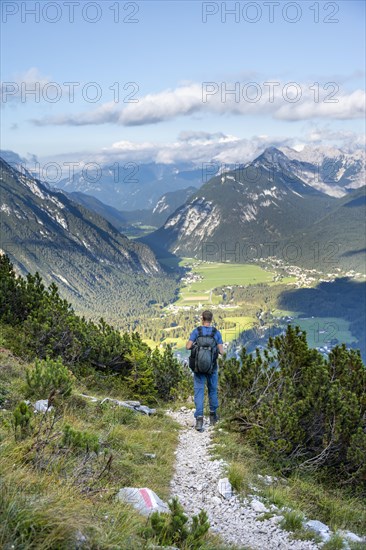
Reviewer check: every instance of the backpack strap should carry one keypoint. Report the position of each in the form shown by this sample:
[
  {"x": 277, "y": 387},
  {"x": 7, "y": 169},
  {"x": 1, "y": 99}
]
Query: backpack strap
[{"x": 200, "y": 332}]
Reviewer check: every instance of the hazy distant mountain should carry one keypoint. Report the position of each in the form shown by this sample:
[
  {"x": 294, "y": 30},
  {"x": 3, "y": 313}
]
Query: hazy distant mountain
[
  {"x": 248, "y": 207},
  {"x": 43, "y": 230},
  {"x": 122, "y": 220},
  {"x": 325, "y": 168},
  {"x": 133, "y": 186}
]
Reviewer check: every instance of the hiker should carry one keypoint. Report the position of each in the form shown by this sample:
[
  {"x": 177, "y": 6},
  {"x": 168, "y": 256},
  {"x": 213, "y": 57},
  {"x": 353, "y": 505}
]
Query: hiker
[{"x": 205, "y": 342}]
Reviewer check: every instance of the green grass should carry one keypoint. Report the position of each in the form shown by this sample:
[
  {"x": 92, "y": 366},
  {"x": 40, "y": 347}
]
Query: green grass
[
  {"x": 321, "y": 330},
  {"x": 234, "y": 326},
  {"x": 336, "y": 542},
  {"x": 150, "y": 343},
  {"x": 238, "y": 475},
  {"x": 292, "y": 520},
  {"x": 221, "y": 274},
  {"x": 52, "y": 493},
  {"x": 175, "y": 342}
]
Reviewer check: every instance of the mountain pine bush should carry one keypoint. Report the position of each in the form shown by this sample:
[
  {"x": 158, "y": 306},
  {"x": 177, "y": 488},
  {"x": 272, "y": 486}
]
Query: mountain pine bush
[
  {"x": 22, "y": 416},
  {"x": 80, "y": 439},
  {"x": 39, "y": 324},
  {"x": 299, "y": 409},
  {"x": 171, "y": 379},
  {"x": 174, "y": 529},
  {"x": 49, "y": 376}
]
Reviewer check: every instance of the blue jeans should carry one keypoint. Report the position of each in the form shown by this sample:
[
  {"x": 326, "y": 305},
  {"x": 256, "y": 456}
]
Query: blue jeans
[{"x": 199, "y": 391}]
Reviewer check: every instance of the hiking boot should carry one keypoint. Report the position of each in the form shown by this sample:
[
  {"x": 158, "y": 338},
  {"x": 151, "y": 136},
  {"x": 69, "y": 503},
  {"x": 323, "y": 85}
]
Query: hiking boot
[
  {"x": 213, "y": 418},
  {"x": 199, "y": 423}
]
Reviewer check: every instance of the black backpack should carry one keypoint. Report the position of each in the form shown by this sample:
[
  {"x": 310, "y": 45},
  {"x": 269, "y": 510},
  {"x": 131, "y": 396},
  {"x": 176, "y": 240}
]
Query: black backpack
[{"x": 204, "y": 353}]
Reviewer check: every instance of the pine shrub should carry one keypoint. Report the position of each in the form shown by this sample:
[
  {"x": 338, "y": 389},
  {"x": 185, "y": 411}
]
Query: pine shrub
[
  {"x": 81, "y": 440},
  {"x": 168, "y": 373},
  {"x": 22, "y": 415},
  {"x": 174, "y": 528},
  {"x": 49, "y": 376},
  {"x": 299, "y": 409}
]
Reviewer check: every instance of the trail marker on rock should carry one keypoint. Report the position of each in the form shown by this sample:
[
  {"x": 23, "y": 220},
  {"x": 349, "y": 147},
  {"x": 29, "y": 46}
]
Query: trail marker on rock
[{"x": 144, "y": 500}]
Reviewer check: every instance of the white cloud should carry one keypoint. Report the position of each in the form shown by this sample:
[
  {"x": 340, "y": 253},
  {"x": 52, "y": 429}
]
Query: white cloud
[
  {"x": 104, "y": 114},
  {"x": 284, "y": 101},
  {"x": 15, "y": 90},
  {"x": 348, "y": 106},
  {"x": 198, "y": 148},
  {"x": 192, "y": 147},
  {"x": 322, "y": 134}
]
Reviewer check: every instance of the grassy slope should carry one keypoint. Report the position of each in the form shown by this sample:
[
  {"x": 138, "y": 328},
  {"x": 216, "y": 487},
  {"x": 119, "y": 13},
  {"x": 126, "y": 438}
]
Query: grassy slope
[
  {"x": 52, "y": 495},
  {"x": 50, "y": 492}
]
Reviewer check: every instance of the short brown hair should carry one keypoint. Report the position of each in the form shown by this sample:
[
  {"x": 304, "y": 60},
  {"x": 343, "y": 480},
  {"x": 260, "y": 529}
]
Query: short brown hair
[{"x": 207, "y": 315}]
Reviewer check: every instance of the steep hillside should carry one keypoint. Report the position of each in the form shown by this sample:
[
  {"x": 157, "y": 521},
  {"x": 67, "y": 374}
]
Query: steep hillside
[
  {"x": 338, "y": 240},
  {"x": 94, "y": 265},
  {"x": 112, "y": 215}
]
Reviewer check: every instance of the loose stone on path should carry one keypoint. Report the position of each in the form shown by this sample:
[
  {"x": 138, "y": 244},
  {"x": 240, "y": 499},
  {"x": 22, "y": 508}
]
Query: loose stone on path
[{"x": 196, "y": 482}]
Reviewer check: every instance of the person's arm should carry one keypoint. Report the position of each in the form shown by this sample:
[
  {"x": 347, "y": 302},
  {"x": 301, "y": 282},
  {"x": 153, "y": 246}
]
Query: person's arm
[
  {"x": 192, "y": 339},
  {"x": 189, "y": 344},
  {"x": 220, "y": 343}
]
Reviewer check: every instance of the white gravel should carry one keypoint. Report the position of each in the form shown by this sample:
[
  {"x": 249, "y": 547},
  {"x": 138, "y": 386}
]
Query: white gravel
[{"x": 195, "y": 483}]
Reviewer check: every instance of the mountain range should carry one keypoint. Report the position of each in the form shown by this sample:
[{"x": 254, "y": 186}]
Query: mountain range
[
  {"x": 93, "y": 264},
  {"x": 133, "y": 186},
  {"x": 138, "y": 185},
  {"x": 255, "y": 204},
  {"x": 262, "y": 206},
  {"x": 327, "y": 169},
  {"x": 279, "y": 199},
  {"x": 124, "y": 219}
]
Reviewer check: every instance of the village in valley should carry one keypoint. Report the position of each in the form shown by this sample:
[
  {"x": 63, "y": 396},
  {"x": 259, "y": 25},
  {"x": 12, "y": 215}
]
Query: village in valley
[{"x": 222, "y": 288}]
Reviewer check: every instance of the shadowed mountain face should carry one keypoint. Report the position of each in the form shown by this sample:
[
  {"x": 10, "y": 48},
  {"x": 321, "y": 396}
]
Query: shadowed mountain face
[
  {"x": 342, "y": 298},
  {"x": 43, "y": 230},
  {"x": 337, "y": 240}
]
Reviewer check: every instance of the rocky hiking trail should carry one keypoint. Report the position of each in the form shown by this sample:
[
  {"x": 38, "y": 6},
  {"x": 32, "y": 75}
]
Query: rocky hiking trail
[{"x": 196, "y": 483}]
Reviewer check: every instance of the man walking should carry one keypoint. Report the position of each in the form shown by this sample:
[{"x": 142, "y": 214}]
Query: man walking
[{"x": 200, "y": 378}]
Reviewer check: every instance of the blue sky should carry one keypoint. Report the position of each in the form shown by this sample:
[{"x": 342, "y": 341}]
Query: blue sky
[{"x": 169, "y": 55}]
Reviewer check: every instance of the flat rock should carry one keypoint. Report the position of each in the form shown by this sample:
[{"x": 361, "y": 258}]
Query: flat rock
[
  {"x": 258, "y": 506},
  {"x": 224, "y": 488},
  {"x": 317, "y": 526},
  {"x": 351, "y": 537},
  {"x": 42, "y": 406},
  {"x": 144, "y": 500}
]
